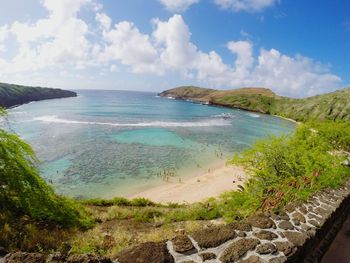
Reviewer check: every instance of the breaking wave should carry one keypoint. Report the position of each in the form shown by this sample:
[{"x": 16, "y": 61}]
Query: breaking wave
[{"x": 202, "y": 123}]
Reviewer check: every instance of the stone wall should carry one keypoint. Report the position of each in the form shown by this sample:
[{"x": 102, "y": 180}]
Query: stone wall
[{"x": 301, "y": 232}]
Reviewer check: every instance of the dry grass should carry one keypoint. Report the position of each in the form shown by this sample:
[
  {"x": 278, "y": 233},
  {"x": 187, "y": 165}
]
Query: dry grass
[{"x": 111, "y": 236}]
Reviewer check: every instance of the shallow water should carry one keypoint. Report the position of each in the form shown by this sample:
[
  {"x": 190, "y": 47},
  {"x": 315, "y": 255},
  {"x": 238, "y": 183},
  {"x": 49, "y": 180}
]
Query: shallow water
[{"x": 109, "y": 143}]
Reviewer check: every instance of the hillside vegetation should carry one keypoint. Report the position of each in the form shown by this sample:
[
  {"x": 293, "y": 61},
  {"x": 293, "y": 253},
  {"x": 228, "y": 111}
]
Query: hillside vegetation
[
  {"x": 331, "y": 106},
  {"x": 12, "y": 95}
]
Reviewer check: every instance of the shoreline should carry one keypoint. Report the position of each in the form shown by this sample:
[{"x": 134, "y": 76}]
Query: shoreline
[{"x": 200, "y": 187}]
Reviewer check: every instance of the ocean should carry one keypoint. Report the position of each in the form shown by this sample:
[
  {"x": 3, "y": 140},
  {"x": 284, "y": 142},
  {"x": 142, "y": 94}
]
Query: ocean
[{"x": 114, "y": 143}]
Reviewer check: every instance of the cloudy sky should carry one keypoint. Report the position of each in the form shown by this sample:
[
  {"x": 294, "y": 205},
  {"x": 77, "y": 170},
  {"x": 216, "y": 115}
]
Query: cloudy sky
[{"x": 295, "y": 47}]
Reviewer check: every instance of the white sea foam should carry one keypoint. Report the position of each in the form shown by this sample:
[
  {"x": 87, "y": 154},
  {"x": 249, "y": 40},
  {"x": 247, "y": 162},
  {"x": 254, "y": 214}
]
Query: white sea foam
[
  {"x": 203, "y": 123},
  {"x": 254, "y": 115},
  {"x": 225, "y": 115}
]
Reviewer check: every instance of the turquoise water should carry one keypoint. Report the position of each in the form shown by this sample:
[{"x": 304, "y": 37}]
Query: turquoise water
[{"x": 109, "y": 143}]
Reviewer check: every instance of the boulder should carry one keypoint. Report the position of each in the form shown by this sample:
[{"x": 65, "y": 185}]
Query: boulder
[
  {"x": 182, "y": 244},
  {"x": 207, "y": 256},
  {"x": 214, "y": 236},
  {"x": 261, "y": 221},
  {"x": 253, "y": 259},
  {"x": 17, "y": 257},
  {"x": 297, "y": 238},
  {"x": 238, "y": 248},
  {"x": 155, "y": 252},
  {"x": 267, "y": 235},
  {"x": 299, "y": 217},
  {"x": 286, "y": 225},
  {"x": 285, "y": 247},
  {"x": 266, "y": 248}
]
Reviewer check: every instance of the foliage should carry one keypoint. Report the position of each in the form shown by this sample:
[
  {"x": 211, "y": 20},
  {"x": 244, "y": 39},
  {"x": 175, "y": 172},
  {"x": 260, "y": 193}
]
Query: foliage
[
  {"x": 283, "y": 169},
  {"x": 120, "y": 201},
  {"x": 24, "y": 192},
  {"x": 27, "y": 203}
]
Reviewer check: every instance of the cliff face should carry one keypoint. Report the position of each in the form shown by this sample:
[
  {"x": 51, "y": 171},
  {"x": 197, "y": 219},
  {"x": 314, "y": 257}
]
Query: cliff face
[
  {"x": 331, "y": 106},
  {"x": 11, "y": 95}
]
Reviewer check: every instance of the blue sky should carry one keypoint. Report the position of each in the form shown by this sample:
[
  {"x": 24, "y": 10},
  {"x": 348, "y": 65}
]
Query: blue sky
[{"x": 297, "y": 48}]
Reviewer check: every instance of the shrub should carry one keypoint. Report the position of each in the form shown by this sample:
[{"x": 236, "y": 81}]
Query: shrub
[{"x": 287, "y": 168}]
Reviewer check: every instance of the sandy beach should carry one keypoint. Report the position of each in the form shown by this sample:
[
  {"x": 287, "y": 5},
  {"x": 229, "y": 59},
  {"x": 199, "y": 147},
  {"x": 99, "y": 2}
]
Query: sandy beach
[{"x": 198, "y": 188}]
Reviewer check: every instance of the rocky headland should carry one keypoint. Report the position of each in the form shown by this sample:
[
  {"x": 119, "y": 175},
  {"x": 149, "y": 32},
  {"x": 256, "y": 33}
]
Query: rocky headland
[
  {"x": 12, "y": 95},
  {"x": 330, "y": 106}
]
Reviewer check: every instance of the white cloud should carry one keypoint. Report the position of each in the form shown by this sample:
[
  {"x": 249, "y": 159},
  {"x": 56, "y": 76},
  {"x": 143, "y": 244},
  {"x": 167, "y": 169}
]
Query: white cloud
[
  {"x": 178, "y": 5},
  {"x": 245, "y": 5},
  {"x": 58, "y": 39},
  {"x": 104, "y": 20},
  {"x": 244, "y": 52},
  {"x": 64, "y": 42},
  {"x": 3, "y": 35},
  {"x": 293, "y": 76},
  {"x": 125, "y": 43},
  {"x": 172, "y": 39}
]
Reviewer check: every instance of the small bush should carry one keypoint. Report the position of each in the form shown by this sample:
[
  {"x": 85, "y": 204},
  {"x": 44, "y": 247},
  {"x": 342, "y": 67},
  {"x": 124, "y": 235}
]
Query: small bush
[{"x": 142, "y": 202}]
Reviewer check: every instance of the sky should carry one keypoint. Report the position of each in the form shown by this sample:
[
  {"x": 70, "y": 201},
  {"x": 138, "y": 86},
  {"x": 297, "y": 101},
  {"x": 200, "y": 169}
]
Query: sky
[{"x": 296, "y": 48}]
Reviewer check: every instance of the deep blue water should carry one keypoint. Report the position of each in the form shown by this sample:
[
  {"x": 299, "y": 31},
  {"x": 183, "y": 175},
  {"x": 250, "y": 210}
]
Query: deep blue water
[{"x": 108, "y": 143}]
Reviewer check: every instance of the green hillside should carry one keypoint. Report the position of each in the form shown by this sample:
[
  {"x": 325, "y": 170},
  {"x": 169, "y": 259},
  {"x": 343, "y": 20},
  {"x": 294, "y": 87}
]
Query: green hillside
[
  {"x": 12, "y": 95},
  {"x": 331, "y": 106}
]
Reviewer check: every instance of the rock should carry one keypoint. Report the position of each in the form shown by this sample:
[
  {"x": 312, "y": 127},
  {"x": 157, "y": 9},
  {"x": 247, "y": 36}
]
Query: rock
[
  {"x": 238, "y": 248},
  {"x": 274, "y": 216},
  {"x": 281, "y": 259},
  {"x": 241, "y": 234},
  {"x": 267, "y": 235},
  {"x": 56, "y": 258},
  {"x": 290, "y": 207},
  {"x": 303, "y": 209},
  {"x": 297, "y": 238},
  {"x": 182, "y": 244},
  {"x": 284, "y": 247},
  {"x": 286, "y": 225},
  {"x": 87, "y": 258},
  {"x": 242, "y": 226},
  {"x": 214, "y": 236},
  {"x": 261, "y": 221},
  {"x": 314, "y": 223},
  {"x": 281, "y": 234},
  {"x": 283, "y": 215},
  {"x": 25, "y": 257},
  {"x": 207, "y": 256},
  {"x": 316, "y": 217},
  {"x": 323, "y": 212},
  {"x": 298, "y": 217},
  {"x": 296, "y": 222},
  {"x": 155, "y": 252},
  {"x": 253, "y": 259},
  {"x": 311, "y": 233},
  {"x": 266, "y": 248}
]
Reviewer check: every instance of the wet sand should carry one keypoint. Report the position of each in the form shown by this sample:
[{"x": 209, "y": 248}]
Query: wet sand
[{"x": 197, "y": 188}]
